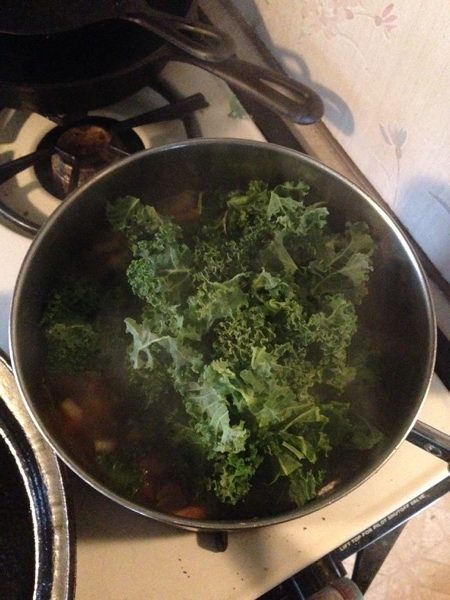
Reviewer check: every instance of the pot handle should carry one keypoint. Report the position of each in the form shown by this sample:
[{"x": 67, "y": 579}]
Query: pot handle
[
  {"x": 431, "y": 440},
  {"x": 278, "y": 92}
]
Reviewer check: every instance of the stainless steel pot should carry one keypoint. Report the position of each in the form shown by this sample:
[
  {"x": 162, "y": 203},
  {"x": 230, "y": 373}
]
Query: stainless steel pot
[{"x": 398, "y": 308}]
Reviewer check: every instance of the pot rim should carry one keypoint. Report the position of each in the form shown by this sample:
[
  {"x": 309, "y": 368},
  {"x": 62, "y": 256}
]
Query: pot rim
[{"x": 230, "y": 525}]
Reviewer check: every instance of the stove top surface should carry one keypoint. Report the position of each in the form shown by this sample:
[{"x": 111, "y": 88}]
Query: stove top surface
[{"x": 121, "y": 554}]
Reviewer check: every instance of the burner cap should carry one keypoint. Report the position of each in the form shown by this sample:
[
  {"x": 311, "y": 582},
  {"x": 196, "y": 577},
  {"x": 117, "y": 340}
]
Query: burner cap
[{"x": 88, "y": 140}]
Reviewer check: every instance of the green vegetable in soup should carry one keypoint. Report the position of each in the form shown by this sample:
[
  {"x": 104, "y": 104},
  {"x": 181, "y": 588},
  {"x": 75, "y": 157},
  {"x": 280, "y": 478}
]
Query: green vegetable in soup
[
  {"x": 241, "y": 339},
  {"x": 72, "y": 341},
  {"x": 253, "y": 310}
]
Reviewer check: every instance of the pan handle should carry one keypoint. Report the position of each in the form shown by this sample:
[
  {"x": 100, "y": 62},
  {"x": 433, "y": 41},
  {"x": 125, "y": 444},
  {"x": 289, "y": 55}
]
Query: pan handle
[
  {"x": 278, "y": 92},
  {"x": 431, "y": 440},
  {"x": 197, "y": 39}
]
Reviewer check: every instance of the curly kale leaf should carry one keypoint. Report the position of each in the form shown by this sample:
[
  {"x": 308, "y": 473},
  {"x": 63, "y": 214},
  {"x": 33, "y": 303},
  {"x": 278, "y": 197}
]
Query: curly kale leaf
[
  {"x": 73, "y": 300},
  {"x": 210, "y": 411},
  {"x": 347, "y": 429},
  {"x": 150, "y": 386},
  {"x": 213, "y": 300},
  {"x": 364, "y": 435},
  {"x": 146, "y": 344},
  {"x": 232, "y": 475},
  {"x": 251, "y": 315},
  {"x": 304, "y": 485},
  {"x": 120, "y": 471},
  {"x": 72, "y": 340},
  {"x": 159, "y": 271},
  {"x": 332, "y": 331},
  {"x": 237, "y": 335},
  {"x": 71, "y": 347},
  {"x": 133, "y": 218},
  {"x": 342, "y": 264}
]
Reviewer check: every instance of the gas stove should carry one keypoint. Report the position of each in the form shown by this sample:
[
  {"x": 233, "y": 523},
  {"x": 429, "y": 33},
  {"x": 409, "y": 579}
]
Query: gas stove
[
  {"x": 45, "y": 158},
  {"x": 124, "y": 555}
]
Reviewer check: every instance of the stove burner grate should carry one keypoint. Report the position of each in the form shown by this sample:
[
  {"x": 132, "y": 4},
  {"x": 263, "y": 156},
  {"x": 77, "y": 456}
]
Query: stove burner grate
[
  {"x": 77, "y": 153},
  {"x": 82, "y": 145}
]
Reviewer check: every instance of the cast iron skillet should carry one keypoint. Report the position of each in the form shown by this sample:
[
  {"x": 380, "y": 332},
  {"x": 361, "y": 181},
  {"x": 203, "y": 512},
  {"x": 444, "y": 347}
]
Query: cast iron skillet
[
  {"x": 46, "y": 17},
  {"x": 398, "y": 310},
  {"x": 73, "y": 71}
]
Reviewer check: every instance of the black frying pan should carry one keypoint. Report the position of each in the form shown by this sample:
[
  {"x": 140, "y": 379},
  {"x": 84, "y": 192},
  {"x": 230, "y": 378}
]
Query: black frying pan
[
  {"x": 47, "y": 17},
  {"x": 96, "y": 65}
]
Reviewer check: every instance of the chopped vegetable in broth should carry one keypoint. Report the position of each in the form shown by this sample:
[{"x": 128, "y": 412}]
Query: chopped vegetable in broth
[{"x": 205, "y": 369}]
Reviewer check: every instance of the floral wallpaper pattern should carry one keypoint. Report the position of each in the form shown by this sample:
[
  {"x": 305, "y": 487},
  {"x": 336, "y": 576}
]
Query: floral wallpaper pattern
[
  {"x": 381, "y": 69},
  {"x": 395, "y": 137},
  {"x": 325, "y": 16}
]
